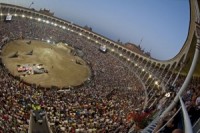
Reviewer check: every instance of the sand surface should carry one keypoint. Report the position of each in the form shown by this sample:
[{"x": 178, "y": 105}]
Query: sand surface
[{"x": 63, "y": 71}]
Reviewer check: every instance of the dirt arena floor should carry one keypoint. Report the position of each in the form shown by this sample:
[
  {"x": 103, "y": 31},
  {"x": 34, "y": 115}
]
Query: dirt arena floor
[{"x": 63, "y": 70}]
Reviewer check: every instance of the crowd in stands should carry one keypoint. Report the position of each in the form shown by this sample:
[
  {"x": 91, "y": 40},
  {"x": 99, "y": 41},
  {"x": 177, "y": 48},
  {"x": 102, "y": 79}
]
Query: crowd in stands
[
  {"x": 191, "y": 98},
  {"x": 100, "y": 105}
]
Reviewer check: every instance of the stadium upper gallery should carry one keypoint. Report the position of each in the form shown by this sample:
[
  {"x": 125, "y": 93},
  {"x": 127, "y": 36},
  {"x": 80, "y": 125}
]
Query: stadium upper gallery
[{"x": 59, "y": 77}]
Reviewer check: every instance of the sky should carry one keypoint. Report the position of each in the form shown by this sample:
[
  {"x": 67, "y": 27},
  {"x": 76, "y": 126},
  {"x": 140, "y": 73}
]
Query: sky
[{"x": 159, "y": 26}]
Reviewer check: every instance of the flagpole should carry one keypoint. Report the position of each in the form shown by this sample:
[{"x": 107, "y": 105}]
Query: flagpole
[
  {"x": 141, "y": 41},
  {"x": 31, "y": 5}
]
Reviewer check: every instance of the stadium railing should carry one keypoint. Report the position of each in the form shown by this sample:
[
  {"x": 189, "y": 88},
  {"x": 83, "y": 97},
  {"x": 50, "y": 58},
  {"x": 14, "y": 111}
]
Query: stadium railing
[{"x": 187, "y": 123}]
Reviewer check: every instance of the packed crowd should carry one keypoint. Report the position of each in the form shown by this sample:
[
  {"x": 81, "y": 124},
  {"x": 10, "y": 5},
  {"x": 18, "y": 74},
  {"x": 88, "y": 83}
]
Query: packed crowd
[{"x": 100, "y": 105}]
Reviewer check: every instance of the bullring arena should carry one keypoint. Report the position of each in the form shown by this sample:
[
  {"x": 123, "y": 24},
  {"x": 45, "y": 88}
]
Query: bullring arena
[
  {"x": 110, "y": 88},
  {"x": 63, "y": 69},
  {"x": 55, "y": 77}
]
